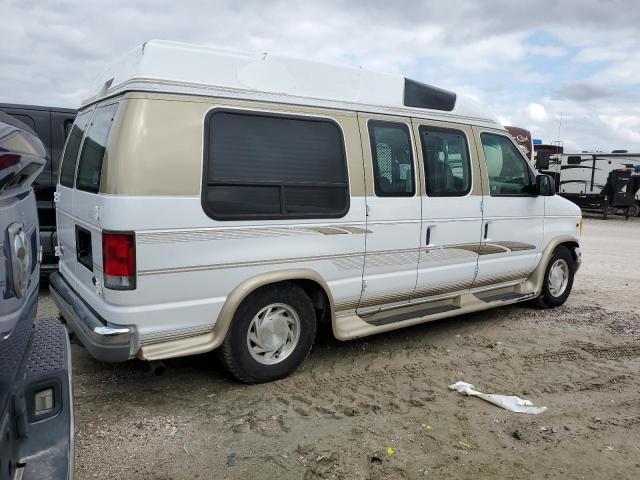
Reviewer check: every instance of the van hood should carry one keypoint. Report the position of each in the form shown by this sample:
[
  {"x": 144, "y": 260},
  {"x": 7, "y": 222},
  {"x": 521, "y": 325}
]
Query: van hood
[{"x": 559, "y": 206}]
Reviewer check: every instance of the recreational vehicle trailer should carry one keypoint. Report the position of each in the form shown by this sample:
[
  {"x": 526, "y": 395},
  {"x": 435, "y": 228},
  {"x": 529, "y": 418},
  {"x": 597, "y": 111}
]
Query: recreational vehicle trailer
[
  {"x": 582, "y": 177},
  {"x": 215, "y": 200},
  {"x": 523, "y": 139}
]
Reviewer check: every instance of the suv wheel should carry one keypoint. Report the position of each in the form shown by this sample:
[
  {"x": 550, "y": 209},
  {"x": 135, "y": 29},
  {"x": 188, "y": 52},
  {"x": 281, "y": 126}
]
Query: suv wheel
[
  {"x": 270, "y": 335},
  {"x": 558, "y": 279}
]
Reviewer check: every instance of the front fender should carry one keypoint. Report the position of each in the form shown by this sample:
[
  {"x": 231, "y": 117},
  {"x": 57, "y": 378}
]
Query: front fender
[{"x": 534, "y": 282}]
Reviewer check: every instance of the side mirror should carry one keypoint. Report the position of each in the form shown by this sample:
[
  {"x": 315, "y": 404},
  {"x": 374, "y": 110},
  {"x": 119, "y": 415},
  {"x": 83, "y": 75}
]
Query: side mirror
[
  {"x": 545, "y": 185},
  {"x": 542, "y": 160}
]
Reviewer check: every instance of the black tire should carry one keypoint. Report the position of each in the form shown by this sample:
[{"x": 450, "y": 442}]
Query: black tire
[
  {"x": 234, "y": 352},
  {"x": 546, "y": 298},
  {"x": 634, "y": 210}
]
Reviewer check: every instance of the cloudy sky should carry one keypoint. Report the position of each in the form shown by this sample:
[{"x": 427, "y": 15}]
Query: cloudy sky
[{"x": 531, "y": 63}]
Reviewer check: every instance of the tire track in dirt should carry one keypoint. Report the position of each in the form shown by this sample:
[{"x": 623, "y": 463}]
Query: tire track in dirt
[
  {"x": 532, "y": 359},
  {"x": 395, "y": 388},
  {"x": 616, "y": 352}
]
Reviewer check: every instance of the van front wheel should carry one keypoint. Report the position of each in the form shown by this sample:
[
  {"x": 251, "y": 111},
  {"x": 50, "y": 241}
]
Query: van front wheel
[
  {"x": 558, "y": 279},
  {"x": 270, "y": 335}
]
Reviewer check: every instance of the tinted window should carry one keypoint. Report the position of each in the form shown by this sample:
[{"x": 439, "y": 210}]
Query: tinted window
[
  {"x": 275, "y": 167},
  {"x": 393, "y": 172},
  {"x": 446, "y": 162},
  {"x": 93, "y": 149},
  {"x": 66, "y": 126},
  {"x": 508, "y": 170},
  {"x": 68, "y": 167},
  {"x": 26, "y": 119}
]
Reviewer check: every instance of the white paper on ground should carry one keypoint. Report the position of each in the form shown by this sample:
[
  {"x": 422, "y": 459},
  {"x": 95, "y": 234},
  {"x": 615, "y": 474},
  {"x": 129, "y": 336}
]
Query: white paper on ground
[{"x": 508, "y": 402}]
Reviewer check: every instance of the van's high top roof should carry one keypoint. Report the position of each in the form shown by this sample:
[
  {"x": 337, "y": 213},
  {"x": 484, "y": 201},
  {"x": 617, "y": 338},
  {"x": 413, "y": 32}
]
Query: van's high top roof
[{"x": 162, "y": 66}]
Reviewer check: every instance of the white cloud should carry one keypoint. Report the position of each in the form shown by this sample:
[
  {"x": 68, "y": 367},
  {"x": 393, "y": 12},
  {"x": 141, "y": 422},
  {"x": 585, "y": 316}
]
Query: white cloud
[
  {"x": 537, "y": 112},
  {"x": 504, "y": 121},
  {"x": 600, "y": 54}
]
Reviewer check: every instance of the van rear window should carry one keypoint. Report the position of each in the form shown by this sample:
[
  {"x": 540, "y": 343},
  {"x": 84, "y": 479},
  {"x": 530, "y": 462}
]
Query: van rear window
[
  {"x": 68, "y": 167},
  {"x": 93, "y": 149},
  {"x": 267, "y": 166}
]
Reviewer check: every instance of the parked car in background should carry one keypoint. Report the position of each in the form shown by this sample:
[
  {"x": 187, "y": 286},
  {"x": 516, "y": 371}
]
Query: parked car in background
[
  {"x": 215, "y": 200},
  {"x": 52, "y": 125},
  {"x": 36, "y": 411}
]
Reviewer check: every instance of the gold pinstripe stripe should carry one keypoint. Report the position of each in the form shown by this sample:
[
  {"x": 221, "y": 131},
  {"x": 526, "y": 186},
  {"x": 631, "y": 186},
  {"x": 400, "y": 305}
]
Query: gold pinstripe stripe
[
  {"x": 243, "y": 233},
  {"x": 378, "y": 259}
]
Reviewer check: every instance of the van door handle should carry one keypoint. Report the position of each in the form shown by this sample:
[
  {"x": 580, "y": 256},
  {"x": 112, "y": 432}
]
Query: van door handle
[
  {"x": 428, "y": 235},
  {"x": 486, "y": 230}
]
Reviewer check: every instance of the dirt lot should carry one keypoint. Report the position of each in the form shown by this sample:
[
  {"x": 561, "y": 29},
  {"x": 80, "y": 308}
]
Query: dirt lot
[{"x": 351, "y": 402}]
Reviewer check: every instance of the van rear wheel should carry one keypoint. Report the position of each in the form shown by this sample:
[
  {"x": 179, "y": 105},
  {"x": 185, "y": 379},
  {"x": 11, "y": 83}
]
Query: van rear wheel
[
  {"x": 270, "y": 335},
  {"x": 558, "y": 279}
]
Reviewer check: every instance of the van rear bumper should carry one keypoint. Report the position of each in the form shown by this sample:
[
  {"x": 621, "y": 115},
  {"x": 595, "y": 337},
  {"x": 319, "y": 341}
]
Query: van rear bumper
[{"x": 105, "y": 343}]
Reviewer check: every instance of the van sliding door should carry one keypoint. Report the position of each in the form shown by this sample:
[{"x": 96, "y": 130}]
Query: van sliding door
[
  {"x": 393, "y": 212},
  {"x": 451, "y": 209}
]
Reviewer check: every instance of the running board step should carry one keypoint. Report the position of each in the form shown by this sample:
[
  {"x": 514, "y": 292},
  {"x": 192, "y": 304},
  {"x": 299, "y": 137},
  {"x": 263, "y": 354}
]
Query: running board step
[
  {"x": 415, "y": 314},
  {"x": 503, "y": 297}
]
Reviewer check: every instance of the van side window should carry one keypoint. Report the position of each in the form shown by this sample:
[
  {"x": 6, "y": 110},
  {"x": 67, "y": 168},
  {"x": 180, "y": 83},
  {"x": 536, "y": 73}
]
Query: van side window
[
  {"x": 273, "y": 166},
  {"x": 508, "y": 171},
  {"x": 446, "y": 162},
  {"x": 93, "y": 149},
  {"x": 68, "y": 167},
  {"x": 393, "y": 170}
]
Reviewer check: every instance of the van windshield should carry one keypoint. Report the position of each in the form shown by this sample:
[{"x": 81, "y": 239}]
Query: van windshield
[
  {"x": 68, "y": 167},
  {"x": 93, "y": 149}
]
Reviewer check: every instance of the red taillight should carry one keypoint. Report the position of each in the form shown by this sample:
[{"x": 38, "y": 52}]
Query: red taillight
[
  {"x": 119, "y": 260},
  {"x": 8, "y": 160}
]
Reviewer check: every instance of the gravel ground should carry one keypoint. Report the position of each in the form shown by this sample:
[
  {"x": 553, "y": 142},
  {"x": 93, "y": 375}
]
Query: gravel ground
[{"x": 380, "y": 408}]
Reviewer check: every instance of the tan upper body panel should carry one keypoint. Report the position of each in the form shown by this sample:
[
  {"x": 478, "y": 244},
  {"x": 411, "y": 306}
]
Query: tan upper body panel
[{"x": 157, "y": 142}]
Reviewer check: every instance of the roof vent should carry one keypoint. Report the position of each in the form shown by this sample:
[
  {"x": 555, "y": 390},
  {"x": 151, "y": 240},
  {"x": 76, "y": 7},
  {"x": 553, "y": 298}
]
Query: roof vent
[{"x": 421, "y": 95}]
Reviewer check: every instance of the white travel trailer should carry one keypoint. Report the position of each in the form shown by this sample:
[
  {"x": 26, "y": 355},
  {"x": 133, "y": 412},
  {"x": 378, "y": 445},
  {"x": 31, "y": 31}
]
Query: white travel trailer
[
  {"x": 210, "y": 200},
  {"x": 582, "y": 177}
]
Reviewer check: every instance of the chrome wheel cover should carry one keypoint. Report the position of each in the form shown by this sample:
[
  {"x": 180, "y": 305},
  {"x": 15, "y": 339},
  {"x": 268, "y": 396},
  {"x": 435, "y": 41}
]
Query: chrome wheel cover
[
  {"x": 558, "y": 277},
  {"x": 273, "y": 333}
]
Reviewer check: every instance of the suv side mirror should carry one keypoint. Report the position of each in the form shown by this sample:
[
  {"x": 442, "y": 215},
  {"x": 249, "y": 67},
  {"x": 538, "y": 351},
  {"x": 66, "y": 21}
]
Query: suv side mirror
[
  {"x": 542, "y": 160},
  {"x": 545, "y": 185}
]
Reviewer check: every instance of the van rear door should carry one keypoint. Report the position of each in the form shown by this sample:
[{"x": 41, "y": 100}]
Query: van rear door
[
  {"x": 81, "y": 214},
  {"x": 64, "y": 194}
]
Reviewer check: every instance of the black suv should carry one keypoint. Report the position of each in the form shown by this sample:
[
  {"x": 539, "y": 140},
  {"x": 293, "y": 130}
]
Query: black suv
[
  {"x": 52, "y": 125},
  {"x": 36, "y": 413}
]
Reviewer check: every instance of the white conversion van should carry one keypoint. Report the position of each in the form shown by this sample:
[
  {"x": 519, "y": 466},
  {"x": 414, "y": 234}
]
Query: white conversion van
[{"x": 211, "y": 200}]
